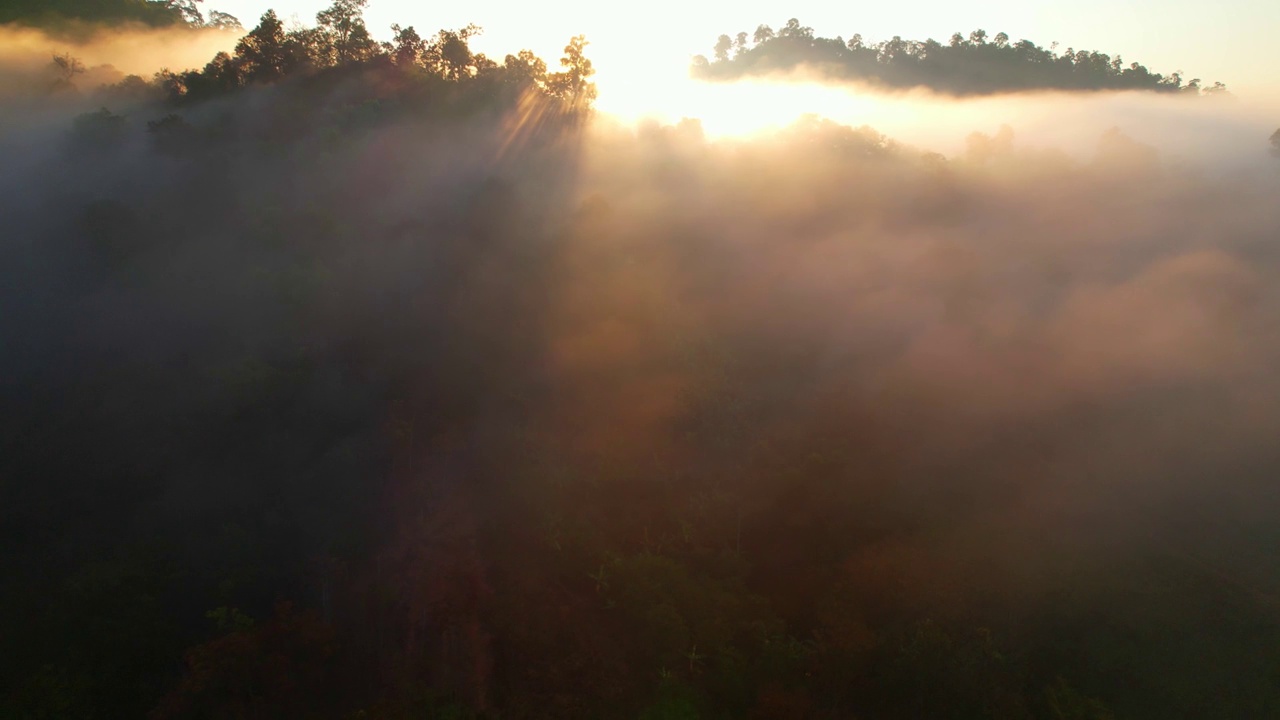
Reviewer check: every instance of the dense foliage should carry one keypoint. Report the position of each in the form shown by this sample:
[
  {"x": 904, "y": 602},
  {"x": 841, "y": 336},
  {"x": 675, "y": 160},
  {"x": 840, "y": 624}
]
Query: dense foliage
[
  {"x": 79, "y": 14},
  {"x": 964, "y": 66},
  {"x": 363, "y": 380},
  {"x": 442, "y": 66}
]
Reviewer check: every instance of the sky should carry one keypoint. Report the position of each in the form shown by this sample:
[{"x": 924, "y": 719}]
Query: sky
[{"x": 1232, "y": 41}]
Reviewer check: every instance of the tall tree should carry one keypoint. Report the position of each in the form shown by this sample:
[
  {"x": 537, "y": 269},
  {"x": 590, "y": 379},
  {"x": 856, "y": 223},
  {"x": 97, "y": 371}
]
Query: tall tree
[
  {"x": 219, "y": 20},
  {"x": 452, "y": 51},
  {"x": 343, "y": 23},
  {"x": 573, "y": 84},
  {"x": 407, "y": 48},
  {"x": 262, "y": 50},
  {"x": 723, "y": 45}
]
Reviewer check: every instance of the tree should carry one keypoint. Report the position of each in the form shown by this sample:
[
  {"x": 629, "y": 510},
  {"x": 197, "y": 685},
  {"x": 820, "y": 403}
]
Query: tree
[
  {"x": 66, "y": 68},
  {"x": 98, "y": 130},
  {"x": 572, "y": 84},
  {"x": 1275, "y": 143},
  {"x": 219, "y": 20},
  {"x": 723, "y": 45},
  {"x": 525, "y": 67},
  {"x": 277, "y": 668},
  {"x": 967, "y": 66},
  {"x": 57, "y": 13},
  {"x": 221, "y": 75},
  {"x": 190, "y": 13},
  {"x": 343, "y": 24},
  {"x": 262, "y": 51},
  {"x": 172, "y": 135},
  {"x": 793, "y": 29},
  {"x": 407, "y": 48},
  {"x": 453, "y": 51},
  {"x": 1066, "y": 703}
]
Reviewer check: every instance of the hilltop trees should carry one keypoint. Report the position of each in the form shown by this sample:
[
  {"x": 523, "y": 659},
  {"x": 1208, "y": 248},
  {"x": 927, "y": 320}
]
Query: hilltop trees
[
  {"x": 572, "y": 84},
  {"x": 260, "y": 55},
  {"x": 977, "y": 64},
  {"x": 51, "y": 13},
  {"x": 66, "y": 68},
  {"x": 269, "y": 53},
  {"x": 344, "y": 32},
  {"x": 341, "y": 40},
  {"x": 64, "y": 14}
]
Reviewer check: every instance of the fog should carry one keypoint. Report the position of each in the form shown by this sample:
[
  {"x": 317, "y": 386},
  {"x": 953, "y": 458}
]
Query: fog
[
  {"x": 1215, "y": 133},
  {"x": 967, "y": 358},
  {"x": 108, "y": 54}
]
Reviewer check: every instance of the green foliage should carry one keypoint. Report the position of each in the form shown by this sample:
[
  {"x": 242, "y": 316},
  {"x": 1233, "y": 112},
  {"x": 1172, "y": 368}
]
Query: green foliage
[
  {"x": 971, "y": 66},
  {"x": 1066, "y": 703},
  {"x": 343, "y": 29},
  {"x": 66, "y": 68},
  {"x": 101, "y": 129},
  {"x": 959, "y": 674},
  {"x": 229, "y": 620},
  {"x": 572, "y": 84},
  {"x": 57, "y": 14},
  {"x": 340, "y": 42},
  {"x": 690, "y": 620},
  {"x": 673, "y": 702},
  {"x": 278, "y": 668},
  {"x": 172, "y": 135},
  {"x": 262, "y": 53}
]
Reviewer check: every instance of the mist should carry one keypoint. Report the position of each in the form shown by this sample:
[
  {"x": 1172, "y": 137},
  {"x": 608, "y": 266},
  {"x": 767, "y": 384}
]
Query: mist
[
  {"x": 108, "y": 53},
  {"x": 905, "y": 406},
  {"x": 1219, "y": 134}
]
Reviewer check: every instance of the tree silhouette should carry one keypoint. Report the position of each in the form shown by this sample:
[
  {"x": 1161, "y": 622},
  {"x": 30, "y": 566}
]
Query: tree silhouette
[
  {"x": 723, "y": 46},
  {"x": 62, "y": 13},
  {"x": 972, "y": 65},
  {"x": 66, "y": 68},
  {"x": 261, "y": 53},
  {"x": 572, "y": 84},
  {"x": 345, "y": 30},
  {"x": 407, "y": 48},
  {"x": 219, "y": 20}
]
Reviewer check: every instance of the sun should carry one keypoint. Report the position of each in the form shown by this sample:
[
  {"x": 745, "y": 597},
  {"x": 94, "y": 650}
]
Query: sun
[{"x": 631, "y": 92}]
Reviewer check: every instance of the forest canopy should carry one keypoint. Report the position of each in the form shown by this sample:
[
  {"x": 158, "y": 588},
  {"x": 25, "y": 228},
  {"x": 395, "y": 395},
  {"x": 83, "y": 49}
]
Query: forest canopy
[
  {"x": 974, "y": 65},
  {"x": 75, "y": 14},
  {"x": 434, "y": 74}
]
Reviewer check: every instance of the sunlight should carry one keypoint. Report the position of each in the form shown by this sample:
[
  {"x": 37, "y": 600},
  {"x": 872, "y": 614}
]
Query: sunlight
[
  {"x": 665, "y": 92},
  {"x": 1066, "y": 122}
]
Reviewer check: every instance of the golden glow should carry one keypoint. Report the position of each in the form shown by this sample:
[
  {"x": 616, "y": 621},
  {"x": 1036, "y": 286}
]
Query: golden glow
[
  {"x": 533, "y": 109},
  {"x": 665, "y": 92},
  {"x": 631, "y": 92},
  {"x": 141, "y": 51}
]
